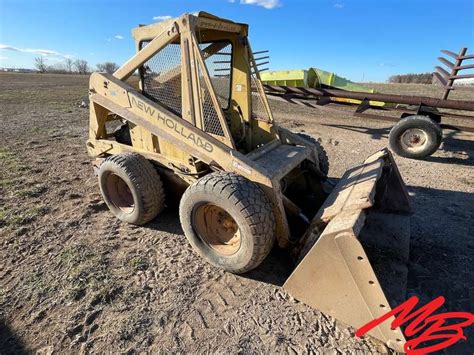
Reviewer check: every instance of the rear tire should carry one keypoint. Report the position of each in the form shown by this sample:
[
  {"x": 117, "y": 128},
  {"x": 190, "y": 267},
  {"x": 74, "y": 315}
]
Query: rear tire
[
  {"x": 322, "y": 155},
  {"x": 415, "y": 137},
  {"x": 131, "y": 188},
  {"x": 122, "y": 134},
  {"x": 229, "y": 221}
]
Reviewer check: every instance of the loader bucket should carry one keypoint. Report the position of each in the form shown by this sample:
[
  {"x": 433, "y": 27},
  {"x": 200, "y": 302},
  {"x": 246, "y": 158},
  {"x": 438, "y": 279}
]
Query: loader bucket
[{"x": 354, "y": 255}]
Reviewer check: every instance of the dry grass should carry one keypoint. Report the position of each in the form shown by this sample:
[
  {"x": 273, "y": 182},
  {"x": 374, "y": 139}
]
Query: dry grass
[{"x": 421, "y": 90}]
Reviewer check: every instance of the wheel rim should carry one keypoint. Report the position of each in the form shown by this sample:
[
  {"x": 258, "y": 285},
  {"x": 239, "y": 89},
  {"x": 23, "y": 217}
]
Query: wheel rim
[
  {"x": 414, "y": 139},
  {"x": 217, "y": 228},
  {"x": 119, "y": 193}
]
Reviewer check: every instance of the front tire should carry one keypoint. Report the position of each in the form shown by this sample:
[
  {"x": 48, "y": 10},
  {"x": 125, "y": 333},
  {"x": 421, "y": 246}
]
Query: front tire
[
  {"x": 322, "y": 155},
  {"x": 131, "y": 188},
  {"x": 415, "y": 137},
  {"x": 229, "y": 221}
]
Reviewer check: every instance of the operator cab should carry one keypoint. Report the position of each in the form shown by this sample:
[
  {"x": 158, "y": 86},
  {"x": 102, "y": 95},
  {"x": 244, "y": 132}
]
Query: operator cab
[{"x": 222, "y": 71}]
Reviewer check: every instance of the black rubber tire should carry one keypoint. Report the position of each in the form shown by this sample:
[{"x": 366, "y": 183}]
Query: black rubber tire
[
  {"x": 143, "y": 183},
  {"x": 431, "y": 129},
  {"x": 122, "y": 134},
  {"x": 247, "y": 204},
  {"x": 322, "y": 155}
]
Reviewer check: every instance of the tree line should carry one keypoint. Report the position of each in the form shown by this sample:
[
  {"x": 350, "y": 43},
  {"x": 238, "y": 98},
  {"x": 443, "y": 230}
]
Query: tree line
[
  {"x": 69, "y": 66},
  {"x": 81, "y": 66},
  {"x": 423, "y": 78}
]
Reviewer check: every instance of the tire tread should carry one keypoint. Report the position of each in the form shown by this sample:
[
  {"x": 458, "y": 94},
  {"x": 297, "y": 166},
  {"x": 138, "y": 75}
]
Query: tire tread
[
  {"x": 412, "y": 122},
  {"x": 146, "y": 180},
  {"x": 322, "y": 154},
  {"x": 252, "y": 202}
]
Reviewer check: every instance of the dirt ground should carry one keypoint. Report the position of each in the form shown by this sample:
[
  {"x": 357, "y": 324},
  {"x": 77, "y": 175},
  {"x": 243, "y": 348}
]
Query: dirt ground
[{"x": 75, "y": 279}]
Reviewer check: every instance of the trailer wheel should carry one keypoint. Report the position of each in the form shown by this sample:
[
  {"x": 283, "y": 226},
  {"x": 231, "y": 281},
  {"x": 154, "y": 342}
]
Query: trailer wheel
[
  {"x": 229, "y": 221},
  {"x": 415, "y": 137},
  {"x": 322, "y": 155},
  {"x": 131, "y": 188}
]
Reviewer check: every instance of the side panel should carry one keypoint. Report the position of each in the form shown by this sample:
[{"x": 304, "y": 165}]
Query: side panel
[{"x": 126, "y": 102}]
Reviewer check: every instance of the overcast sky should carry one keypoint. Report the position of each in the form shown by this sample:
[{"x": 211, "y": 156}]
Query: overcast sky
[{"x": 365, "y": 40}]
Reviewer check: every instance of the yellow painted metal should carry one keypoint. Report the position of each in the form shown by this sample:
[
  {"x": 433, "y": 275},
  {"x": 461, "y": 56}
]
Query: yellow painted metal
[
  {"x": 181, "y": 30},
  {"x": 330, "y": 276},
  {"x": 336, "y": 274}
]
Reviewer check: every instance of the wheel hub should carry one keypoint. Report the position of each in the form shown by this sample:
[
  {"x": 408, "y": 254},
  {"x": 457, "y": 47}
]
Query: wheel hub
[
  {"x": 119, "y": 193},
  {"x": 414, "y": 139},
  {"x": 217, "y": 228}
]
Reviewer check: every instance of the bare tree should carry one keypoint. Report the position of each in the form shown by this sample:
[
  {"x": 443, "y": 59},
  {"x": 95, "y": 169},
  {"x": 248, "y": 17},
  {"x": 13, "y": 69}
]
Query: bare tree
[
  {"x": 81, "y": 66},
  {"x": 58, "y": 68},
  {"x": 108, "y": 67},
  {"x": 68, "y": 62},
  {"x": 40, "y": 64}
]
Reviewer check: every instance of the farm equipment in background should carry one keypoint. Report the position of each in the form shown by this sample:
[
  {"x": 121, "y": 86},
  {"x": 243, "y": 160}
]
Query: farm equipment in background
[
  {"x": 316, "y": 78},
  {"x": 418, "y": 132},
  {"x": 200, "y": 123}
]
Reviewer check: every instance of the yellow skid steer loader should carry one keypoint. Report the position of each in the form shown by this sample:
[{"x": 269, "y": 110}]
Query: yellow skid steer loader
[{"x": 187, "y": 117}]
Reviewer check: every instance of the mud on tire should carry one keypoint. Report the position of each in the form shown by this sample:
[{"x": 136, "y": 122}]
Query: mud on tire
[
  {"x": 131, "y": 188},
  {"x": 229, "y": 221}
]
